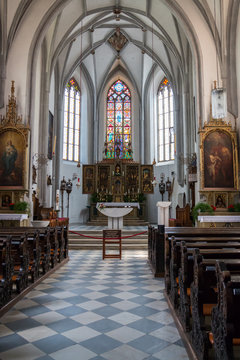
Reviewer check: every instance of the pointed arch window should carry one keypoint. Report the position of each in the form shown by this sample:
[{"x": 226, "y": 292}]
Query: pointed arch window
[
  {"x": 119, "y": 122},
  {"x": 71, "y": 128},
  {"x": 165, "y": 122}
]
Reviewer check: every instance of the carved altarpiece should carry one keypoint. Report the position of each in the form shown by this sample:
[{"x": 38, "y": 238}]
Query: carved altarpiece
[
  {"x": 219, "y": 164},
  {"x": 14, "y": 155}
]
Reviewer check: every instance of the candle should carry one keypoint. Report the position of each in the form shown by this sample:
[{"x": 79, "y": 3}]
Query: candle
[
  {"x": 57, "y": 199},
  {"x": 54, "y": 144}
]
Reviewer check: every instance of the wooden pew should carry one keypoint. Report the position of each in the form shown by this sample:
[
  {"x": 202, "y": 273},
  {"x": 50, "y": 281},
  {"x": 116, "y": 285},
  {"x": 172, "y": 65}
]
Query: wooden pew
[
  {"x": 61, "y": 243},
  {"x": 66, "y": 237},
  {"x": 54, "y": 246},
  {"x": 20, "y": 262},
  {"x": 185, "y": 272},
  {"x": 156, "y": 250},
  {"x": 204, "y": 297},
  {"x": 6, "y": 271},
  {"x": 226, "y": 315},
  {"x": 38, "y": 246},
  {"x": 172, "y": 269},
  {"x": 190, "y": 235}
]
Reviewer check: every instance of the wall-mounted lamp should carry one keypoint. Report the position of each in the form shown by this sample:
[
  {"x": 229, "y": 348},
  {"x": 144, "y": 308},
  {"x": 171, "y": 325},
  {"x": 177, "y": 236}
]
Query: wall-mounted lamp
[
  {"x": 68, "y": 190},
  {"x": 162, "y": 186},
  {"x": 62, "y": 189}
]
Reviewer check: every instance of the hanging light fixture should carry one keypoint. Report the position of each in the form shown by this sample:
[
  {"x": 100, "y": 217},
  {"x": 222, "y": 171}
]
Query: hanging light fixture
[{"x": 219, "y": 95}]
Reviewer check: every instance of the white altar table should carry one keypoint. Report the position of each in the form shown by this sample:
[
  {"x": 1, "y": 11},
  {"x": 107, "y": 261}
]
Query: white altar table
[
  {"x": 21, "y": 218},
  {"x": 227, "y": 219},
  {"x": 115, "y": 212}
]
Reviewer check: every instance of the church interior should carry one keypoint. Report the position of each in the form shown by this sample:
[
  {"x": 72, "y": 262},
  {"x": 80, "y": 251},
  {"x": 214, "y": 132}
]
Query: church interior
[{"x": 127, "y": 105}]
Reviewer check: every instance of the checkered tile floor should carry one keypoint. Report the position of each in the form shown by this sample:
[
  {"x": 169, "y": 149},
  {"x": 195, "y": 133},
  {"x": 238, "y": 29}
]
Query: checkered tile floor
[{"x": 93, "y": 309}]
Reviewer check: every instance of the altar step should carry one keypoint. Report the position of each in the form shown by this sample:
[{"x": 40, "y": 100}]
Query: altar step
[
  {"x": 126, "y": 222},
  {"x": 79, "y": 242}
]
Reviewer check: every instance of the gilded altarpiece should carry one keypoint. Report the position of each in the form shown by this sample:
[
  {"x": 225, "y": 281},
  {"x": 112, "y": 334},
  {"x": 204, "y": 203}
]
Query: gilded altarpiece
[
  {"x": 218, "y": 164},
  {"x": 14, "y": 154},
  {"x": 119, "y": 179}
]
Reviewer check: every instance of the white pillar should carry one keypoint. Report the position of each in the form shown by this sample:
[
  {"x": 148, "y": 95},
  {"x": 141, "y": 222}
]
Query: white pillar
[{"x": 163, "y": 212}]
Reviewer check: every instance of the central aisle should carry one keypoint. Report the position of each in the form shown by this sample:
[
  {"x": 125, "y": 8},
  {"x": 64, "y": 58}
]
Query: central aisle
[{"x": 93, "y": 309}]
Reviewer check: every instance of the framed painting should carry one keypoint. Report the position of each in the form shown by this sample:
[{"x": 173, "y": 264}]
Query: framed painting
[
  {"x": 103, "y": 182},
  {"x": 13, "y": 159},
  {"x": 132, "y": 177},
  {"x": 146, "y": 179},
  {"x": 88, "y": 179},
  {"x": 14, "y": 137},
  {"x": 6, "y": 198},
  {"x": 218, "y": 157},
  {"x": 221, "y": 201}
]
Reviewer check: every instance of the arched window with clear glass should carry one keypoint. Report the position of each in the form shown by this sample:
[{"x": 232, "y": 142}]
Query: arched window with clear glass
[
  {"x": 165, "y": 122},
  {"x": 118, "y": 123},
  {"x": 71, "y": 128}
]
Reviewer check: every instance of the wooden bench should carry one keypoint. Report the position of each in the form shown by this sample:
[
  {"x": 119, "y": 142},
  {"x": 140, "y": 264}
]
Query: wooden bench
[
  {"x": 204, "y": 296},
  {"x": 19, "y": 255},
  {"x": 226, "y": 315},
  {"x": 5, "y": 270},
  {"x": 156, "y": 250},
  {"x": 190, "y": 235},
  {"x": 185, "y": 273},
  {"x": 176, "y": 260}
]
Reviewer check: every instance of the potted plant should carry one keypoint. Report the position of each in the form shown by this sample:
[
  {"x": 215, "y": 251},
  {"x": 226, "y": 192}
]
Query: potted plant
[
  {"x": 21, "y": 206},
  {"x": 201, "y": 207}
]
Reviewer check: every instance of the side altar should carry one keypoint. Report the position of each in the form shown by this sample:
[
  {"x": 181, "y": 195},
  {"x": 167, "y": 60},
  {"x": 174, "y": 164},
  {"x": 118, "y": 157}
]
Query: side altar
[{"x": 118, "y": 180}]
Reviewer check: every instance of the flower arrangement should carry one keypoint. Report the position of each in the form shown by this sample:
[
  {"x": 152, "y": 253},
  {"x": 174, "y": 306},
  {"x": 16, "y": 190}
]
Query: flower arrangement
[
  {"x": 11, "y": 206},
  {"x": 213, "y": 207},
  {"x": 201, "y": 207},
  {"x": 234, "y": 208},
  {"x": 101, "y": 206}
]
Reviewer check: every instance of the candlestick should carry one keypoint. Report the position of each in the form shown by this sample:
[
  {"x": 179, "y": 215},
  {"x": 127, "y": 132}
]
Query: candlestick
[{"x": 57, "y": 199}]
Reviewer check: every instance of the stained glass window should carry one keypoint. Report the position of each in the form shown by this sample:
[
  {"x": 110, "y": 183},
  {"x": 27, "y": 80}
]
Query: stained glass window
[
  {"x": 71, "y": 129},
  {"x": 165, "y": 122},
  {"x": 119, "y": 126}
]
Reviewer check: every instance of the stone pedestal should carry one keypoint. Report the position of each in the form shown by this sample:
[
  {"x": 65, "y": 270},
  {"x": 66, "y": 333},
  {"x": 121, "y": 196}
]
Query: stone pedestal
[{"x": 163, "y": 212}]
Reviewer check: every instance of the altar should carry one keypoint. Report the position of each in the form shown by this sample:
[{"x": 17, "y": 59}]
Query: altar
[
  {"x": 219, "y": 220},
  {"x": 115, "y": 211},
  {"x": 13, "y": 220}
]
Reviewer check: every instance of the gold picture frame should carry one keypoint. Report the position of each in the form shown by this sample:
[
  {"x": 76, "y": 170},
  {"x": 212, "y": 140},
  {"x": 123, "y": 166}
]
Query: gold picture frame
[
  {"x": 146, "y": 179},
  {"x": 6, "y": 198},
  {"x": 14, "y": 154},
  {"x": 88, "y": 179},
  {"x": 218, "y": 157}
]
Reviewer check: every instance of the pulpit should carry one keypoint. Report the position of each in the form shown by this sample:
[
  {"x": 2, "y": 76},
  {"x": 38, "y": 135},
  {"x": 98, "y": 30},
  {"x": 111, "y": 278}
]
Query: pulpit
[{"x": 115, "y": 212}]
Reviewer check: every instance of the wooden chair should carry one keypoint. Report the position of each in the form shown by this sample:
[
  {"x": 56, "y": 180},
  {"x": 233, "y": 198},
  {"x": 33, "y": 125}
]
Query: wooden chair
[{"x": 112, "y": 237}]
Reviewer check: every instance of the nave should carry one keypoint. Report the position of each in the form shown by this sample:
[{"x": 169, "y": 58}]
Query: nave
[{"x": 93, "y": 309}]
